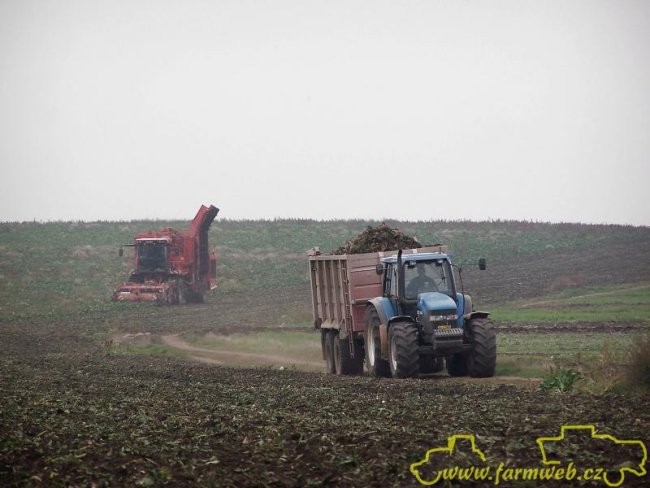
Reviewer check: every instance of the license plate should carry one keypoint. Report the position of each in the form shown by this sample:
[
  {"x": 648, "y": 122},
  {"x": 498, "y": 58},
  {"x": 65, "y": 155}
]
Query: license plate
[{"x": 444, "y": 327}]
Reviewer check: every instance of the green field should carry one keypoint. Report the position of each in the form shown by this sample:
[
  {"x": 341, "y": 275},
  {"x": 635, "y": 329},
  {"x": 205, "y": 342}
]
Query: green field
[{"x": 50, "y": 269}]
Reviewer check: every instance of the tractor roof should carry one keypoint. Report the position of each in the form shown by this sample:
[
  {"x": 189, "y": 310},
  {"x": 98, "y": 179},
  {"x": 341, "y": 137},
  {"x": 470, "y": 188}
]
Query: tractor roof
[{"x": 421, "y": 256}]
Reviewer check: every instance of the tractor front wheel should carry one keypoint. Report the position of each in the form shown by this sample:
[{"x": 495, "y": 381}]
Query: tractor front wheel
[{"x": 403, "y": 355}]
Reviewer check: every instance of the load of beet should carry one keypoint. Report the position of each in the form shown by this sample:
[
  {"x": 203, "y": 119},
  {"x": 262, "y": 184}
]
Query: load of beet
[{"x": 380, "y": 238}]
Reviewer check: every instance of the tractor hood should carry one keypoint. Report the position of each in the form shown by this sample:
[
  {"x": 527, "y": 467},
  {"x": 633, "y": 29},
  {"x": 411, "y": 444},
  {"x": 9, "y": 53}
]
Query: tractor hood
[{"x": 432, "y": 301}]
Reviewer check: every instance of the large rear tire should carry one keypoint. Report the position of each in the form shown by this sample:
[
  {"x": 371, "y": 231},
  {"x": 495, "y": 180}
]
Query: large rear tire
[
  {"x": 344, "y": 363},
  {"x": 374, "y": 363},
  {"x": 482, "y": 359},
  {"x": 403, "y": 355}
]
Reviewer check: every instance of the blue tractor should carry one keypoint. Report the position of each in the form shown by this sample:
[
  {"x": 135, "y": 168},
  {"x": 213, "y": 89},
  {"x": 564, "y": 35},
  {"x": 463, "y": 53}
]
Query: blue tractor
[{"x": 422, "y": 321}]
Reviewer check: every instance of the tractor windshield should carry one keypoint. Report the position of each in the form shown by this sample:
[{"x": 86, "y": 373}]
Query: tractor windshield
[
  {"x": 427, "y": 276},
  {"x": 152, "y": 257}
]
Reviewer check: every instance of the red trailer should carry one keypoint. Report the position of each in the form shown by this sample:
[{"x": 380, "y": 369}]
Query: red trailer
[{"x": 170, "y": 266}]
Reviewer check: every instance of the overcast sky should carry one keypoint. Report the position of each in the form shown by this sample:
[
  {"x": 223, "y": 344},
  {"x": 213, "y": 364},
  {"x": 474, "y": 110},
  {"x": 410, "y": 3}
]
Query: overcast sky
[{"x": 413, "y": 110}]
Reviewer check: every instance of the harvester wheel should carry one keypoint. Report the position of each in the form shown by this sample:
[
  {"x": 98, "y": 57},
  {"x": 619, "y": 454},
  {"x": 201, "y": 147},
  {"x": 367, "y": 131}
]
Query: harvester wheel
[
  {"x": 376, "y": 365},
  {"x": 328, "y": 346},
  {"x": 482, "y": 360},
  {"x": 344, "y": 363},
  {"x": 403, "y": 355}
]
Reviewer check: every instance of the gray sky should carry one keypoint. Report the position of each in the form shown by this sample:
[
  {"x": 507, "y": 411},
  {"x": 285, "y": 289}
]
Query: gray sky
[{"x": 128, "y": 109}]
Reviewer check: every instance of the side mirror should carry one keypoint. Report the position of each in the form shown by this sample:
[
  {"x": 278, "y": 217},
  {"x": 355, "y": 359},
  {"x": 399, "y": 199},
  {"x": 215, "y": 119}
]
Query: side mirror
[
  {"x": 120, "y": 252},
  {"x": 379, "y": 269},
  {"x": 482, "y": 265}
]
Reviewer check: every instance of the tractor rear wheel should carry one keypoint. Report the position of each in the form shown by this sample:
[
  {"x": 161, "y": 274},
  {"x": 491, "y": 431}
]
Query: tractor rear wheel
[
  {"x": 328, "y": 350},
  {"x": 376, "y": 365},
  {"x": 344, "y": 363},
  {"x": 403, "y": 355},
  {"x": 482, "y": 359}
]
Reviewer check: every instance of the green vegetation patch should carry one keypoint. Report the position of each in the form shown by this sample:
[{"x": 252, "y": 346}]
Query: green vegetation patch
[
  {"x": 148, "y": 350},
  {"x": 569, "y": 347},
  {"x": 616, "y": 303},
  {"x": 296, "y": 345}
]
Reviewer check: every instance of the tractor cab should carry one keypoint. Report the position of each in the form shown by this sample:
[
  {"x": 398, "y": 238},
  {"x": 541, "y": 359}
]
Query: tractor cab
[{"x": 421, "y": 285}]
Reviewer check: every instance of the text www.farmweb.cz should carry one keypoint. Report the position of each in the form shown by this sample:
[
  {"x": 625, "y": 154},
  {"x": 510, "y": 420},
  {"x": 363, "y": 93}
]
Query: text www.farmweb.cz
[{"x": 503, "y": 473}]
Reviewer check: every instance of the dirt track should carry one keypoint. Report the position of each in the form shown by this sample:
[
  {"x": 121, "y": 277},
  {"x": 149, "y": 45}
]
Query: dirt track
[
  {"x": 234, "y": 358},
  {"x": 222, "y": 356}
]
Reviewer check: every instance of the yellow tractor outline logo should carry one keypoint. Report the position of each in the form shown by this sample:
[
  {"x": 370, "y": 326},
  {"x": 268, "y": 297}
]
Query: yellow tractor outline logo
[
  {"x": 641, "y": 471},
  {"x": 451, "y": 445}
]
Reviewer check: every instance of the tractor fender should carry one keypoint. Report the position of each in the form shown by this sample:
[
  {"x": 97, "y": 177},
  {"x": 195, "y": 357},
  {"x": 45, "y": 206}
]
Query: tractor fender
[
  {"x": 476, "y": 315},
  {"x": 387, "y": 316},
  {"x": 383, "y": 307}
]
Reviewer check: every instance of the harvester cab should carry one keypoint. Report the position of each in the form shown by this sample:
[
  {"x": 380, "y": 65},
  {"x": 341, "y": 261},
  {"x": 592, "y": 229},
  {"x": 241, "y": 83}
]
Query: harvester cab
[
  {"x": 172, "y": 267},
  {"x": 152, "y": 255}
]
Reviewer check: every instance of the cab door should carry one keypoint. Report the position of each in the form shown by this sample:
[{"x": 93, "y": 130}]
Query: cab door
[{"x": 391, "y": 288}]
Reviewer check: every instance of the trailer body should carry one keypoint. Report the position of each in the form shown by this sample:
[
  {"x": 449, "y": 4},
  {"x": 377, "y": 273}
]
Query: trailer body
[{"x": 342, "y": 286}]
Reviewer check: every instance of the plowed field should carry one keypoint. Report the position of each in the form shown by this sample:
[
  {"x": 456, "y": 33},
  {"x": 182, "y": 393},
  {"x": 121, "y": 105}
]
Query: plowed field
[{"x": 74, "y": 414}]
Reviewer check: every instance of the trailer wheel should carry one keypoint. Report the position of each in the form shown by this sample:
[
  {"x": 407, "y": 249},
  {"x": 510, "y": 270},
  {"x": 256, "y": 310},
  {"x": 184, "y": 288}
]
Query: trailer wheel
[
  {"x": 376, "y": 365},
  {"x": 344, "y": 363},
  {"x": 328, "y": 348},
  {"x": 482, "y": 359},
  {"x": 403, "y": 355}
]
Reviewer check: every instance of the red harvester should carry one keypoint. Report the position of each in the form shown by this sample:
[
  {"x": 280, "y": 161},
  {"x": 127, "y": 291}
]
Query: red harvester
[{"x": 172, "y": 267}]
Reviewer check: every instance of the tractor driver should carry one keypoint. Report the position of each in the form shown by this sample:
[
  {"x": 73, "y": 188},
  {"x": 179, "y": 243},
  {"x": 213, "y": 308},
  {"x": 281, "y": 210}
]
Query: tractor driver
[{"x": 421, "y": 283}]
